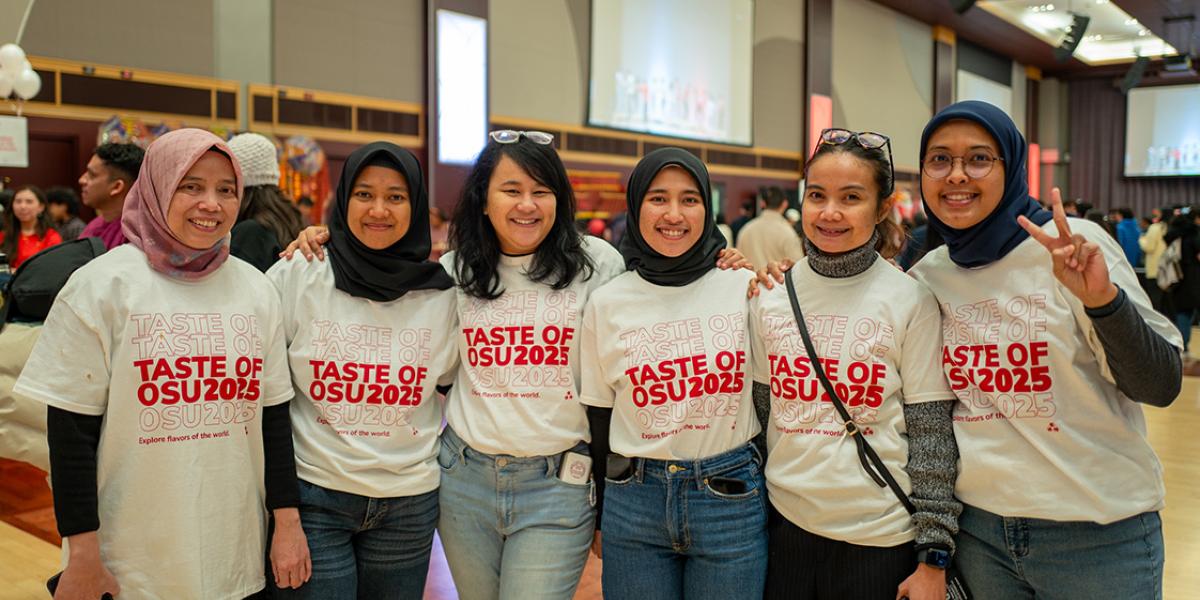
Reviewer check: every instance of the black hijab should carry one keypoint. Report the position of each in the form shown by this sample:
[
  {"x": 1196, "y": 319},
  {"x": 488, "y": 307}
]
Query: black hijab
[
  {"x": 996, "y": 235},
  {"x": 384, "y": 275},
  {"x": 639, "y": 256}
]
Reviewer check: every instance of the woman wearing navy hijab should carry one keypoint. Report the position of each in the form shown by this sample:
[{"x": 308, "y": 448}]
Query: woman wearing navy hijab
[{"x": 1050, "y": 345}]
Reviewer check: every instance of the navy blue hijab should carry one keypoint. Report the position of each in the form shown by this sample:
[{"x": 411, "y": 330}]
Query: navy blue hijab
[
  {"x": 994, "y": 237},
  {"x": 639, "y": 256}
]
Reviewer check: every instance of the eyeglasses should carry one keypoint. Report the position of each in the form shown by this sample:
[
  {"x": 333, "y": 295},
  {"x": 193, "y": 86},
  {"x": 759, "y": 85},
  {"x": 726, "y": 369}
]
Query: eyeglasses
[
  {"x": 512, "y": 136},
  {"x": 868, "y": 140},
  {"x": 976, "y": 165}
]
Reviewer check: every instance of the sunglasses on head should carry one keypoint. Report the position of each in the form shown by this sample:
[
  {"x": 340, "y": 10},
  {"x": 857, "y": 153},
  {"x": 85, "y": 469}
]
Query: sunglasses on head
[
  {"x": 868, "y": 140},
  {"x": 512, "y": 136}
]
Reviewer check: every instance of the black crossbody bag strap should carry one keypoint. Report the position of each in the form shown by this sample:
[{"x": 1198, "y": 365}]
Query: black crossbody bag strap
[{"x": 870, "y": 460}]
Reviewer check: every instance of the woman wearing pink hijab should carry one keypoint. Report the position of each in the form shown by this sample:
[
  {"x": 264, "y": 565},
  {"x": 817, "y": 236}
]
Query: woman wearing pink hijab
[{"x": 164, "y": 369}]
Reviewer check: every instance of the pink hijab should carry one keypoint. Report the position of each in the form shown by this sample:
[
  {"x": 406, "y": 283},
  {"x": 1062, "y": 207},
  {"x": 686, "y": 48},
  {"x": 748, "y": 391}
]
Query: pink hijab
[{"x": 144, "y": 217}]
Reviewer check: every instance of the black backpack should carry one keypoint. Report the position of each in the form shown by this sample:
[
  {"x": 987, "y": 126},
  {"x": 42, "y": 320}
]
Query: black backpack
[{"x": 30, "y": 293}]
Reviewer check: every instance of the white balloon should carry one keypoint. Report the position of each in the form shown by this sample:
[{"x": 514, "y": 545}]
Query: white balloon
[
  {"x": 27, "y": 85},
  {"x": 12, "y": 57},
  {"x": 6, "y": 83}
]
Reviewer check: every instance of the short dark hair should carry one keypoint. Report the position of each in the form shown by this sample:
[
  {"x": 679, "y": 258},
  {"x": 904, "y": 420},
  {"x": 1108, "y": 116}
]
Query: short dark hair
[
  {"x": 1126, "y": 212},
  {"x": 558, "y": 260},
  {"x": 773, "y": 197},
  {"x": 65, "y": 196},
  {"x": 125, "y": 160}
]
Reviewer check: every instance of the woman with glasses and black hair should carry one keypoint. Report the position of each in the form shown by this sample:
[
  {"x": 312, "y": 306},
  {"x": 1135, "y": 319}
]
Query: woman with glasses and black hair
[
  {"x": 843, "y": 524},
  {"x": 517, "y": 513},
  {"x": 1051, "y": 346},
  {"x": 665, "y": 353}
]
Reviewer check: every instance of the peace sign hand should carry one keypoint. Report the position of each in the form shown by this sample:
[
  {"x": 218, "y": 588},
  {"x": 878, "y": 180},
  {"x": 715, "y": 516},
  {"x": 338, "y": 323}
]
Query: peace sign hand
[{"x": 1078, "y": 264}]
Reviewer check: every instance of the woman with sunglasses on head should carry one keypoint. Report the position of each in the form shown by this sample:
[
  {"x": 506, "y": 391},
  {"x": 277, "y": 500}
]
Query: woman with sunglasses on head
[
  {"x": 1050, "y": 345},
  {"x": 165, "y": 371},
  {"x": 370, "y": 333},
  {"x": 665, "y": 355},
  {"x": 844, "y": 526},
  {"x": 517, "y": 515}
]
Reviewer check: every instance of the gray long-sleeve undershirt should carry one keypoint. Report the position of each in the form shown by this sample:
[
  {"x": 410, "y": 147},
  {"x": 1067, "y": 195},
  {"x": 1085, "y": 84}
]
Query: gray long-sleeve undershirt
[
  {"x": 933, "y": 470},
  {"x": 1145, "y": 366}
]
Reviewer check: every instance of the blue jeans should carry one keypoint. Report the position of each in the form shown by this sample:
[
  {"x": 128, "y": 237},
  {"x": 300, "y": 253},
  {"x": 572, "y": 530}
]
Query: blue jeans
[
  {"x": 364, "y": 547},
  {"x": 1012, "y": 558},
  {"x": 510, "y": 527},
  {"x": 1183, "y": 321},
  {"x": 668, "y": 534}
]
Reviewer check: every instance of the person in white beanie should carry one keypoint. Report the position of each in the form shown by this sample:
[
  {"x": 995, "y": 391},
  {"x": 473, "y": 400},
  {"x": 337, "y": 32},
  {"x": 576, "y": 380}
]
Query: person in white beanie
[{"x": 266, "y": 217}]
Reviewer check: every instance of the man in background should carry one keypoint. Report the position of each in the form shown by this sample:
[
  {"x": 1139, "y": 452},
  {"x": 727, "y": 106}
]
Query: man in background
[
  {"x": 103, "y": 186},
  {"x": 770, "y": 236}
]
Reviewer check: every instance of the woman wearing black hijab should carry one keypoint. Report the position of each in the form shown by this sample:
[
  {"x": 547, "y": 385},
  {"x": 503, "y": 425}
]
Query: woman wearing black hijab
[
  {"x": 1050, "y": 345},
  {"x": 665, "y": 355},
  {"x": 370, "y": 333}
]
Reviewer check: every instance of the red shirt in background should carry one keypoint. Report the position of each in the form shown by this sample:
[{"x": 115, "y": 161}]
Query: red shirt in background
[{"x": 28, "y": 245}]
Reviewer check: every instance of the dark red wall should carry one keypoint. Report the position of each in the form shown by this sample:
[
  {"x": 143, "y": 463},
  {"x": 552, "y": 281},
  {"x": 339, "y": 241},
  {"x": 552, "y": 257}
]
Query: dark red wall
[{"x": 59, "y": 150}]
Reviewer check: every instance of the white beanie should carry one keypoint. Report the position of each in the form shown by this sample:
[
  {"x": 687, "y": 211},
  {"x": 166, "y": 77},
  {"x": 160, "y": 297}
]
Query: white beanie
[{"x": 256, "y": 155}]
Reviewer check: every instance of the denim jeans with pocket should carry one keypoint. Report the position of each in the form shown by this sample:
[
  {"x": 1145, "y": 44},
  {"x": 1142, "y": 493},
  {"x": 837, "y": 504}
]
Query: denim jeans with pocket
[
  {"x": 669, "y": 534},
  {"x": 364, "y": 547},
  {"x": 1011, "y": 558},
  {"x": 510, "y": 527}
]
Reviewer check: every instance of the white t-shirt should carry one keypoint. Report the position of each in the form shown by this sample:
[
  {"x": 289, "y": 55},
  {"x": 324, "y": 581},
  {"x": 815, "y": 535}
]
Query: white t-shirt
[
  {"x": 877, "y": 336},
  {"x": 1042, "y": 429},
  {"x": 366, "y": 416},
  {"x": 673, "y": 363},
  {"x": 179, "y": 371},
  {"x": 517, "y": 388}
]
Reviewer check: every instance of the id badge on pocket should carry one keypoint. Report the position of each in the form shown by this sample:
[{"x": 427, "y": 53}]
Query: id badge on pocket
[{"x": 575, "y": 468}]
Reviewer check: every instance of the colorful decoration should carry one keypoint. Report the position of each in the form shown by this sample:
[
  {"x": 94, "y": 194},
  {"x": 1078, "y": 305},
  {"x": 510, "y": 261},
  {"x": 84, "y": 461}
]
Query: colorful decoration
[
  {"x": 305, "y": 172},
  {"x": 304, "y": 154},
  {"x": 131, "y": 130}
]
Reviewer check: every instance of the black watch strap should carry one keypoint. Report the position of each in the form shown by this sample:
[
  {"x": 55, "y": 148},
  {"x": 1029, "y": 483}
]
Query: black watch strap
[{"x": 934, "y": 556}]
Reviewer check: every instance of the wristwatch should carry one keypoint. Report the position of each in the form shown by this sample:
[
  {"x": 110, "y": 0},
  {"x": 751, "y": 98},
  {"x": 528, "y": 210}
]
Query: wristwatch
[{"x": 938, "y": 558}]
